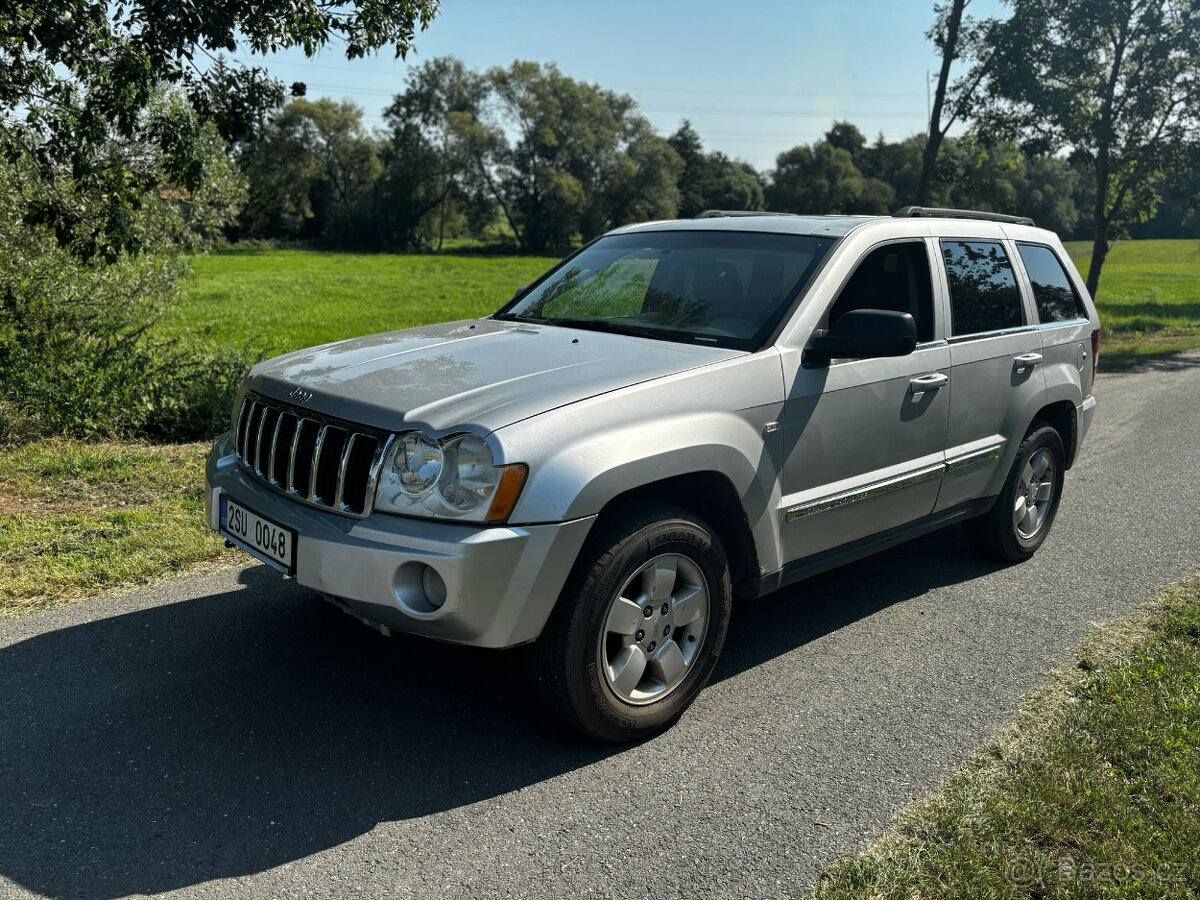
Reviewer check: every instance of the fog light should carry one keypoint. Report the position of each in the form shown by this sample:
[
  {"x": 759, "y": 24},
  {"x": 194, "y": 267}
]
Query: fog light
[{"x": 434, "y": 586}]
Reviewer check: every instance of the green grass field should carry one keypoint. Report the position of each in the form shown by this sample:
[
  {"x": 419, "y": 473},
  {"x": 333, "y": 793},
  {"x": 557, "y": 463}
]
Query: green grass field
[
  {"x": 286, "y": 299},
  {"x": 1149, "y": 299}
]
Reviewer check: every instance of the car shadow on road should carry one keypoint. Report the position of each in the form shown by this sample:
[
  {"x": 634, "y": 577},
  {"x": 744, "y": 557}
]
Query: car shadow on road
[
  {"x": 778, "y": 623},
  {"x": 229, "y": 734}
]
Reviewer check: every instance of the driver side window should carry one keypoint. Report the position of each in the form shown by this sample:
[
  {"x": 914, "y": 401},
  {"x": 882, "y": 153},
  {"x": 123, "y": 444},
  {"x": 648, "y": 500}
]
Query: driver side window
[{"x": 895, "y": 277}]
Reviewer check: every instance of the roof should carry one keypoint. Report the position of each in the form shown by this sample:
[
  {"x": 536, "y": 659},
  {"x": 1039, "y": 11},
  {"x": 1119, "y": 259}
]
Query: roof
[
  {"x": 833, "y": 226},
  {"x": 825, "y": 226}
]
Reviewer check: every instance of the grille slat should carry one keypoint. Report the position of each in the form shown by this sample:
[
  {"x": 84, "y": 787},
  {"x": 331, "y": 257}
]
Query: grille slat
[
  {"x": 285, "y": 437},
  {"x": 266, "y": 435},
  {"x": 252, "y": 426},
  {"x": 306, "y": 451},
  {"x": 329, "y": 464}
]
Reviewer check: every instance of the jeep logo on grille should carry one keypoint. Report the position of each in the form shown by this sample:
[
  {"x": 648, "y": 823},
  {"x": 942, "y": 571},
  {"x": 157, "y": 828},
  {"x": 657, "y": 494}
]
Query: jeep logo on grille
[{"x": 300, "y": 395}]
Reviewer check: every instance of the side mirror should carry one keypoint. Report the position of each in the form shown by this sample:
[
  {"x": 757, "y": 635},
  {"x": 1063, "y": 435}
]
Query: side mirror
[
  {"x": 864, "y": 334},
  {"x": 521, "y": 291}
]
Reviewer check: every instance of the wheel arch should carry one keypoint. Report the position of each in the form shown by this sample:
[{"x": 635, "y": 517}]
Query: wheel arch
[
  {"x": 1063, "y": 417},
  {"x": 712, "y": 497}
]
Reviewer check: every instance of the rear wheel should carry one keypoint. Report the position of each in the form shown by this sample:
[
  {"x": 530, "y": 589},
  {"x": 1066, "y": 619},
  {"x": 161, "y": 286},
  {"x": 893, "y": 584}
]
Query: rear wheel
[
  {"x": 1021, "y": 518},
  {"x": 638, "y": 629}
]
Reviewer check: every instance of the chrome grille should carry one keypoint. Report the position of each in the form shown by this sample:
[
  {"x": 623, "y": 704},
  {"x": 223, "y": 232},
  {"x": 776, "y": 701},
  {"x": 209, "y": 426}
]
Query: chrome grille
[{"x": 317, "y": 459}]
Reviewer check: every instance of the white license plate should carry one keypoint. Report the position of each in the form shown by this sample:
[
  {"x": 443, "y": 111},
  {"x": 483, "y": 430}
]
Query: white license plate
[{"x": 260, "y": 537}]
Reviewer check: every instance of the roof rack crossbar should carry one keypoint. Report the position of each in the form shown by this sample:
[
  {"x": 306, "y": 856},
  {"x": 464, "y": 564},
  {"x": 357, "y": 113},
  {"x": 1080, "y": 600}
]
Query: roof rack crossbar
[
  {"x": 723, "y": 213},
  {"x": 913, "y": 212}
]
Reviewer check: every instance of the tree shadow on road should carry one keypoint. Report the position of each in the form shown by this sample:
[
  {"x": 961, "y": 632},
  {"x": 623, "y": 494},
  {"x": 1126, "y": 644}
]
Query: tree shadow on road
[{"x": 229, "y": 734}]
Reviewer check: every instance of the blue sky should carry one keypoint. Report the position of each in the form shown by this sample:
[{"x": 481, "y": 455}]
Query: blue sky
[{"x": 755, "y": 78}]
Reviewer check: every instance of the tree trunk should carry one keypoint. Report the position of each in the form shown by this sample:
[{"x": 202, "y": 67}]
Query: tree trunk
[
  {"x": 933, "y": 141},
  {"x": 1099, "y": 251},
  {"x": 1101, "y": 216}
]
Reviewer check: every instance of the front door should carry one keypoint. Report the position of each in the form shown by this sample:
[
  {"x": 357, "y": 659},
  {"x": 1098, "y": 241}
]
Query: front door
[{"x": 865, "y": 439}]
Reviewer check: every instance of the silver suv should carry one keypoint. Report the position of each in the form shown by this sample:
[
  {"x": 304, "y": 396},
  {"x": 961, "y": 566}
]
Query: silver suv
[{"x": 679, "y": 414}]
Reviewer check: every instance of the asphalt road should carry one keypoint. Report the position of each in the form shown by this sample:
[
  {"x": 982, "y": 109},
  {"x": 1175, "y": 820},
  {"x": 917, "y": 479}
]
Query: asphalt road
[{"x": 230, "y": 736}]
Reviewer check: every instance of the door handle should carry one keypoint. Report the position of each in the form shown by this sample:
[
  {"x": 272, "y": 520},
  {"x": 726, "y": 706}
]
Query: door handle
[
  {"x": 930, "y": 382},
  {"x": 1026, "y": 360}
]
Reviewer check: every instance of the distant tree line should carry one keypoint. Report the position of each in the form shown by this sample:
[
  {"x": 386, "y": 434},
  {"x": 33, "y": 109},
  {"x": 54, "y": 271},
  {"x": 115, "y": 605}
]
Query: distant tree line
[{"x": 529, "y": 155}]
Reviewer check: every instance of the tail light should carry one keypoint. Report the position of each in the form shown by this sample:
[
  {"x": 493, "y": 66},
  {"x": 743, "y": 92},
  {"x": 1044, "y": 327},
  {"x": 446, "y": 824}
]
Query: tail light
[{"x": 1095, "y": 351}]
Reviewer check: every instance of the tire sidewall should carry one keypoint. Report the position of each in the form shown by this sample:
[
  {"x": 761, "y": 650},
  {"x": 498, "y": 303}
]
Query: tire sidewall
[
  {"x": 677, "y": 536},
  {"x": 1047, "y": 438}
]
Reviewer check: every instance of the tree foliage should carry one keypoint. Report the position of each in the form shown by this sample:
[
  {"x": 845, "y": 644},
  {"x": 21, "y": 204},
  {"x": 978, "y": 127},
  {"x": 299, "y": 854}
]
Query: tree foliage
[
  {"x": 1117, "y": 82},
  {"x": 584, "y": 158},
  {"x": 712, "y": 180},
  {"x": 76, "y": 79}
]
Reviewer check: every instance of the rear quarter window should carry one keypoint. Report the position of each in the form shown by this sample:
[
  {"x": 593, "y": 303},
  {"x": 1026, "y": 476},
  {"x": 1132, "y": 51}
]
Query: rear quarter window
[{"x": 1053, "y": 292}]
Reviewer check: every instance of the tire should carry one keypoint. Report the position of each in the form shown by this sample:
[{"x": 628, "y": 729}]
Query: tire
[
  {"x": 1022, "y": 515},
  {"x": 638, "y": 628}
]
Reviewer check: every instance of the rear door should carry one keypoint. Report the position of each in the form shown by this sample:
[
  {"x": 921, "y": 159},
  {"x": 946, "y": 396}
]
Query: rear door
[
  {"x": 1063, "y": 318},
  {"x": 996, "y": 366}
]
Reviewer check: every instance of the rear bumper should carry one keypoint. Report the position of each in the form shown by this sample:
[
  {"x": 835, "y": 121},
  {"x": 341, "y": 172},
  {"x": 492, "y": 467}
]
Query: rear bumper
[
  {"x": 1086, "y": 411},
  {"x": 501, "y": 581}
]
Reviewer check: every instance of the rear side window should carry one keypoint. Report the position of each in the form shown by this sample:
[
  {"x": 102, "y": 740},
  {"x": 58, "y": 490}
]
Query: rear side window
[
  {"x": 1052, "y": 290},
  {"x": 983, "y": 289}
]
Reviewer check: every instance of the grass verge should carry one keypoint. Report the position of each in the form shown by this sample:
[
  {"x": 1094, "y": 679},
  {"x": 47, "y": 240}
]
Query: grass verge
[
  {"x": 76, "y": 519},
  {"x": 1093, "y": 792}
]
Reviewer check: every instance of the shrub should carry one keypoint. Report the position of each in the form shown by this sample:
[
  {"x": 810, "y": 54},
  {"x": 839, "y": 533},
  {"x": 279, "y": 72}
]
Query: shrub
[{"x": 78, "y": 351}]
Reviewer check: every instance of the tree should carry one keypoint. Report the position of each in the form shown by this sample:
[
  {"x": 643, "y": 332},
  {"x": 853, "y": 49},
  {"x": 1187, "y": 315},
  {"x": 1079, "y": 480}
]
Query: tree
[
  {"x": 712, "y": 180},
  {"x": 436, "y": 137},
  {"x": 314, "y": 164},
  {"x": 1116, "y": 81},
  {"x": 824, "y": 179},
  {"x": 999, "y": 176},
  {"x": 76, "y": 77},
  {"x": 584, "y": 158},
  {"x": 951, "y": 33}
]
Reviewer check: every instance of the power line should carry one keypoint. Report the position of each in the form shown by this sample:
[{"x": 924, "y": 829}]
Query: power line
[
  {"x": 811, "y": 95},
  {"x": 688, "y": 110}
]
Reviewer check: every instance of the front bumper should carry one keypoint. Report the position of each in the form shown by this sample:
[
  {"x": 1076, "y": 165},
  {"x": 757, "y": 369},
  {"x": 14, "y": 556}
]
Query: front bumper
[{"x": 501, "y": 581}]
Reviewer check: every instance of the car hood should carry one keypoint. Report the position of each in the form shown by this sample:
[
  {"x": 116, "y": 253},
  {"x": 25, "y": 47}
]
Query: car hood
[{"x": 482, "y": 374}]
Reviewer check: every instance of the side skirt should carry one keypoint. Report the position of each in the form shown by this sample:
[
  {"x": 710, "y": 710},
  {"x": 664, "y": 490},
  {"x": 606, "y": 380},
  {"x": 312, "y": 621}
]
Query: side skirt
[{"x": 799, "y": 569}]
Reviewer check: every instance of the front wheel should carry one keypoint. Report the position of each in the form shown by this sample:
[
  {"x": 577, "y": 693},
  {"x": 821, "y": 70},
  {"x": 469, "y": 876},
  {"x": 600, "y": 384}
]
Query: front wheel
[
  {"x": 1021, "y": 518},
  {"x": 638, "y": 628}
]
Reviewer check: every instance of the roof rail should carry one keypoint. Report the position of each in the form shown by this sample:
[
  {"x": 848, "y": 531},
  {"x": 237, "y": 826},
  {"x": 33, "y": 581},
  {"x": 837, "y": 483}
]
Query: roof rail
[
  {"x": 722, "y": 213},
  {"x": 915, "y": 212}
]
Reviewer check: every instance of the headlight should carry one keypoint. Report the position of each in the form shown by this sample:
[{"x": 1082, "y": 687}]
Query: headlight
[
  {"x": 470, "y": 475},
  {"x": 418, "y": 464},
  {"x": 455, "y": 478}
]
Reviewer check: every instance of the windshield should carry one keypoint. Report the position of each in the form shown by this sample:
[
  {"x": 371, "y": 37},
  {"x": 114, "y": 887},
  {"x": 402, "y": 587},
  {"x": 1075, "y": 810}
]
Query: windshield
[{"x": 726, "y": 288}]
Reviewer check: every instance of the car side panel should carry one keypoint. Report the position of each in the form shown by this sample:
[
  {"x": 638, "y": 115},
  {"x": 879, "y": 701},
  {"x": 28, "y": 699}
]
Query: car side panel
[
  {"x": 713, "y": 419},
  {"x": 864, "y": 450}
]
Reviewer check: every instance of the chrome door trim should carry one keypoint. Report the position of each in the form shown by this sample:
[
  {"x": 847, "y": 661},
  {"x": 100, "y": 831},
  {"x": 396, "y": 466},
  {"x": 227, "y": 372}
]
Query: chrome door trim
[
  {"x": 981, "y": 335},
  {"x": 866, "y": 492},
  {"x": 975, "y": 456}
]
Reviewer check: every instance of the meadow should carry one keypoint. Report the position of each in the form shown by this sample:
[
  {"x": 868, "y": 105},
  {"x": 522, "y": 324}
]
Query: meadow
[
  {"x": 1149, "y": 299},
  {"x": 280, "y": 300}
]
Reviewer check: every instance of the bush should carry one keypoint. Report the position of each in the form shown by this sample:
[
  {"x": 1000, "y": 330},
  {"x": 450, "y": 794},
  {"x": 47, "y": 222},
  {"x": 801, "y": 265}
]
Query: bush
[{"x": 78, "y": 351}]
